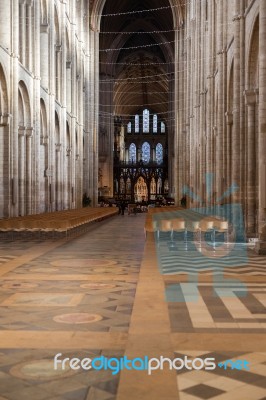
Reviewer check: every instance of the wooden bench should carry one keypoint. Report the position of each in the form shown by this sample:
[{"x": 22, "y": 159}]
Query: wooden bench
[{"x": 54, "y": 224}]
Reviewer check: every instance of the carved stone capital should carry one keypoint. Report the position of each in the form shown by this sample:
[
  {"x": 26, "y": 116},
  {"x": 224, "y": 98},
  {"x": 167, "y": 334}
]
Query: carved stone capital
[
  {"x": 58, "y": 147},
  {"x": 29, "y": 132},
  {"x": 58, "y": 48},
  {"x": 21, "y": 131},
  {"x": 4, "y": 119},
  {"x": 229, "y": 117},
  {"x": 44, "y": 140},
  {"x": 251, "y": 96},
  {"x": 45, "y": 28}
]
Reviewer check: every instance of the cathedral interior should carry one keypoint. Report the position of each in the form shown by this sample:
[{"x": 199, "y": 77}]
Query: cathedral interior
[{"x": 145, "y": 122}]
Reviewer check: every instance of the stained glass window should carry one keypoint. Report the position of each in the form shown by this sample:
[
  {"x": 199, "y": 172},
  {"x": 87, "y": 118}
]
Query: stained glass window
[
  {"x": 136, "y": 123},
  {"x": 129, "y": 127},
  {"x": 146, "y": 152},
  {"x": 146, "y": 120},
  {"x": 162, "y": 127},
  {"x": 132, "y": 153},
  {"x": 159, "y": 153},
  {"x": 155, "y": 119}
]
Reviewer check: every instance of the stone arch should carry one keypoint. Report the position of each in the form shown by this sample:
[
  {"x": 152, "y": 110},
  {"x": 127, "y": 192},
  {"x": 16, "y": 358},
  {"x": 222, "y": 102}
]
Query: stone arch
[
  {"x": 253, "y": 57},
  {"x": 98, "y": 7},
  {"x": 24, "y": 105}
]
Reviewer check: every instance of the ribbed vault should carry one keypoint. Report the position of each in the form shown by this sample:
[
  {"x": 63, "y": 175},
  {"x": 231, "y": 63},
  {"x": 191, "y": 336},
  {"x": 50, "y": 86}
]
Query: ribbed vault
[{"x": 139, "y": 64}]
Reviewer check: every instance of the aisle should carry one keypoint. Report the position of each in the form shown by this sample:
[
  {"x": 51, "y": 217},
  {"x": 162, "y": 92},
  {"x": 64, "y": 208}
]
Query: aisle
[{"x": 71, "y": 297}]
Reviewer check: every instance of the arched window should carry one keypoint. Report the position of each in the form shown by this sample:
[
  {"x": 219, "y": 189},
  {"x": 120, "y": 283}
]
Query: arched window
[
  {"x": 159, "y": 153},
  {"x": 136, "y": 123},
  {"x": 162, "y": 127},
  {"x": 146, "y": 152},
  {"x": 146, "y": 120},
  {"x": 129, "y": 127},
  {"x": 155, "y": 120},
  {"x": 132, "y": 153}
]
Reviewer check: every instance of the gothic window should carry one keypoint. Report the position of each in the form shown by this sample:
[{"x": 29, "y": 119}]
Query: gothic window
[
  {"x": 146, "y": 152},
  {"x": 136, "y": 123},
  {"x": 155, "y": 120},
  {"x": 162, "y": 127},
  {"x": 146, "y": 120},
  {"x": 159, "y": 153},
  {"x": 132, "y": 153},
  {"x": 129, "y": 127}
]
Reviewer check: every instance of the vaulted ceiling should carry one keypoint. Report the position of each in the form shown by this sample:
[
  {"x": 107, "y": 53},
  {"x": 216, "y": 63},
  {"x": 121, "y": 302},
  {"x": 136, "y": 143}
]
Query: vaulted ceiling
[{"x": 134, "y": 55}]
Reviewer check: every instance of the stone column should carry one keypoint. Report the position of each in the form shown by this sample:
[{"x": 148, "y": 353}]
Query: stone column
[
  {"x": 5, "y": 24},
  {"x": 251, "y": 98},
  {"x": 28, "y": 36},
  {"x": 22, "y": 31},
  {"x": 219, "y": 173},
  {"x": 44, "y": 58},
  {"x": 21, "y": 170},
  {"x": 28, "y": 180},
  {"x": 14, "y": 108},
  {"x": 236, "y": 103},
  {"x": 58, "y": 183},
  {"x": 261, "y": 247},
  {"x": 229, "y": 122}
]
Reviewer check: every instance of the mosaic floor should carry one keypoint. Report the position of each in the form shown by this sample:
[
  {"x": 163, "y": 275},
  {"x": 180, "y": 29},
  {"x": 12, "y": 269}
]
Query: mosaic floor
[{"x": 111, "y": 293}]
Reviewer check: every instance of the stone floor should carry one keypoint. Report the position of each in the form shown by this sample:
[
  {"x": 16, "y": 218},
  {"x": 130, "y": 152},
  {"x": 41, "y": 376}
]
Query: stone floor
[{"x": 111, "y": 293}]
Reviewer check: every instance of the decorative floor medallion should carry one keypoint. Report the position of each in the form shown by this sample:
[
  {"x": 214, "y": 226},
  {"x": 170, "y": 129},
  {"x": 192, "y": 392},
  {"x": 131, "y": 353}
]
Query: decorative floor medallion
[{"x": 77, "y": 318}]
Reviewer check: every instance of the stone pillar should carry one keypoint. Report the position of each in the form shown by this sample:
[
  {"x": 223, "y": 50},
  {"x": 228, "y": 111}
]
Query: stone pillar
[
  {"x": 5, "y": 24},
  {"x": 22, "y": 31},
  {"x": 28, "y": 180},
  {"x": 251, "y": 98},
  {"x": 14, "y": 139},
  {"x": 229, "y": 122},
  {"x": 58, "y": 182},
  {"x": 44, "y": 59},
  {"x": 21, "y": 169},
  {"x": 28, "y": 36},
  {"x": 219, "y": 173},
  {"x": 236, "y": 103},
  {"x": 261, "y": 246}
]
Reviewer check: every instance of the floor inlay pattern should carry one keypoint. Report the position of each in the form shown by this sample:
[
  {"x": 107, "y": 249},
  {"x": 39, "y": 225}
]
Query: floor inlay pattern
[
  {"x": 217, "y": 306},
  {"x": 224, "y": 384},
  {"x": 97, "y": 291},
  {"x": 36, "y": 378}
]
